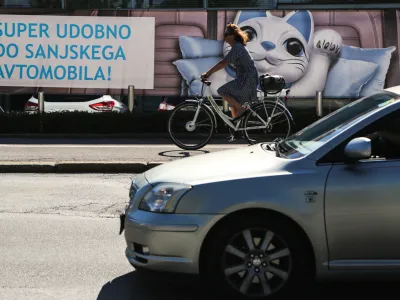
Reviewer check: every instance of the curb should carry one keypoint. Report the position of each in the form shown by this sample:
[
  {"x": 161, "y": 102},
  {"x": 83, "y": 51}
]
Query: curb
[
  {"x": 77, "y": 167},
  {"x": 96, "y": 136},
  {"x": 84, "y": 136}
]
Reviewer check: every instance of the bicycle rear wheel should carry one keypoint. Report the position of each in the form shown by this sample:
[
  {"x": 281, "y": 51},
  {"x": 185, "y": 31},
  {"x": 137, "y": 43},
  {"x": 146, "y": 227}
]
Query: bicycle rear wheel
[
  {"x": 277, "y": 120},
  {"x": 186, "y": 134}
]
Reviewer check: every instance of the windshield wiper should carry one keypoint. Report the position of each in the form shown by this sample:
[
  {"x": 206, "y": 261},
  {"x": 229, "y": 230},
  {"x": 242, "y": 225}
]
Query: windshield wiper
[
  {"x": 282, "y": 147},
  {"x": 276, "y": 145},
  {"x": 272, "y": 147},
  {"x": 277, "y": 151},
  {"x": 268, "y": 147}
]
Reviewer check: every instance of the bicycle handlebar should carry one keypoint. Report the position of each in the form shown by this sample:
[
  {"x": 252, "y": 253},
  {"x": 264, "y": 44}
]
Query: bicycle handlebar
[{"x": 205, "y": 81}]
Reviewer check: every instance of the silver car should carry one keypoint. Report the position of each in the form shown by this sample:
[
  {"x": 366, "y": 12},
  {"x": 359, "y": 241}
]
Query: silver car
[{"x": 268, "y": 219}]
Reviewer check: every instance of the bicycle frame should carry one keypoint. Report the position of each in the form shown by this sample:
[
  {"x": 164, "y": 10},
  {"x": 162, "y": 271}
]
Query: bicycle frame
[{"x": 207, "y": 95}]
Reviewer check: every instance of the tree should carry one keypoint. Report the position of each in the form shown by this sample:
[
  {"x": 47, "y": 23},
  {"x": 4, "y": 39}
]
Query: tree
[
  {"x": 77, "y": 4},
  {"x": 241, "y": 3},
  {"x": 45, "y": 3}
]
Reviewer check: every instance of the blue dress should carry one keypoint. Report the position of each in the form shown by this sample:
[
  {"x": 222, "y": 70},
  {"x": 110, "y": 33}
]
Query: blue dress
[{"x": 244, "y": 87}]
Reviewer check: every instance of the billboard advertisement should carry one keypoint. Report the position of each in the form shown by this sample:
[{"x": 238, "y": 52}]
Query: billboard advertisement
[
  {"x": 78, "y": 52},
  {"x": 310, "y": 59},
  {"x": 343, "y": 58},
  {"x": 340, "y": 53}
]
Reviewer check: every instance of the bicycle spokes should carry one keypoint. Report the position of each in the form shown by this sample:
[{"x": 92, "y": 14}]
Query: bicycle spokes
[
  {"x": 191, "y": 126},
  {"x": 266, "y": 122}
]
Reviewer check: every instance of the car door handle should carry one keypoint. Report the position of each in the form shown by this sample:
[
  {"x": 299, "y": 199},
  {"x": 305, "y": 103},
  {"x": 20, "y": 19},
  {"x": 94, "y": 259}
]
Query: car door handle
[{"x": 310, "y": 193}]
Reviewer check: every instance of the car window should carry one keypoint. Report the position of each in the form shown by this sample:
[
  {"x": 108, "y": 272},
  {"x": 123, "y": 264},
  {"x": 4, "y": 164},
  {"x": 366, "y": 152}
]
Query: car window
[
  {"x": 384, "y": 134},
  {"x": 314, "y": 136}
]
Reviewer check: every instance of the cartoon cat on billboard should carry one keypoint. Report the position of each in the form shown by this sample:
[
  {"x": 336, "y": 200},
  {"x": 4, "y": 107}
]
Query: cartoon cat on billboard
[
  {"x": 288, "y": 47},
  {"x": 309, "y": 61}
]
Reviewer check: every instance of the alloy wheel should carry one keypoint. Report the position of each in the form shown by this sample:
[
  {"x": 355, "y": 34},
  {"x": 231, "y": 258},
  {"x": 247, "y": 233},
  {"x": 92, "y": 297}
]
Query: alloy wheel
[{"x": 257, "y": 262}]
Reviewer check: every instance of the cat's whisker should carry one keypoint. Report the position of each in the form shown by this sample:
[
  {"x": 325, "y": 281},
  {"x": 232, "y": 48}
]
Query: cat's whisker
[
  {"x": 297, "y": 59},
  {"x": 307, "y": 55},
  {"x": 303, "y": 67},
  {"x": 294, "y": 62},
  {"x": 292, "y": 59},
  {"x": 297, "y": 64},
  {"x": 300, "y": 70}
]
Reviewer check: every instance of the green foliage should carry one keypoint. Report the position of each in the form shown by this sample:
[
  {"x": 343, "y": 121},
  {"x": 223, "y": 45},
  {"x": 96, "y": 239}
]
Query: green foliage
[
  {"x": 84, "y": 4},
  {"x": 109, "y": 122},
  {"x": 45, "y": 3},
  {"x": 84, "y": 123},
  {"x": 239, "y": 3}
]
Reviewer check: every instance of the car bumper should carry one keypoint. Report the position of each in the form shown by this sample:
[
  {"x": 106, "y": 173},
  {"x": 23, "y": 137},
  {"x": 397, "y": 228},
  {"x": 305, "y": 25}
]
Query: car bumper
[{"x": 166, "y": 242}]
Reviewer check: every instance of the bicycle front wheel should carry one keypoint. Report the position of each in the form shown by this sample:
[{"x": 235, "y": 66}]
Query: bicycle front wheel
[
  {"x": 187, "y": 134},
  {"x": 268, "y": 122}
]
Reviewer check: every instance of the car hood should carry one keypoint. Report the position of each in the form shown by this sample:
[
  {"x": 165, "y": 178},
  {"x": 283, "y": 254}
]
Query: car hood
[{"x": 224, "y": 165}]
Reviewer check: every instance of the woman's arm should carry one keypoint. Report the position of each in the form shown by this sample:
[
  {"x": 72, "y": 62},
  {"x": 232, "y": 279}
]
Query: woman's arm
[{"x": 220, "y": 65}]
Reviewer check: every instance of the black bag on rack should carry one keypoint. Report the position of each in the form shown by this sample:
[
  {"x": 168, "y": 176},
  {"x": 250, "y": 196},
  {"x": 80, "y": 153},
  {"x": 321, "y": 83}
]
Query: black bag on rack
[{"x": 272, "y": 84}]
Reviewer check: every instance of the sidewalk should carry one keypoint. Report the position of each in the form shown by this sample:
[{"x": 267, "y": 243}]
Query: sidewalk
[{"x": 94, "y": 155}]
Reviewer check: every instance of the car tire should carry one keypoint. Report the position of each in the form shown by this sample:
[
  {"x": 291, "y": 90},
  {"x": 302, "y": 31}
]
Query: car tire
[{"x": 218, "y": 257}]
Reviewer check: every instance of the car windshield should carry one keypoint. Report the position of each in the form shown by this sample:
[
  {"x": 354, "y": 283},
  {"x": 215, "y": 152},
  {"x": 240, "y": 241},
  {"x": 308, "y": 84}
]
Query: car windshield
[{"x": 314, "y": 136}]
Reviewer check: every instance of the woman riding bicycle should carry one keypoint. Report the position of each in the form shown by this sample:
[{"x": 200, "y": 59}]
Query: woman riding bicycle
[{"x": 244, "y": 87}]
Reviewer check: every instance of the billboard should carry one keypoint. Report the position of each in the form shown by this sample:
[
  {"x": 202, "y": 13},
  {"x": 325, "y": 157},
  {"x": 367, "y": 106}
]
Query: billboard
[
  {"x": 311, "y": 53},
  {"x": 76, "y": 52},
  {"x": 343, "y": 54}
]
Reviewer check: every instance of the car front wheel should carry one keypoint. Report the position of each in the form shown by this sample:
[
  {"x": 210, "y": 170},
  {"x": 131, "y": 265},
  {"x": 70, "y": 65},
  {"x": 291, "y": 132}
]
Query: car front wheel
[{"x": 257, "y": 258}]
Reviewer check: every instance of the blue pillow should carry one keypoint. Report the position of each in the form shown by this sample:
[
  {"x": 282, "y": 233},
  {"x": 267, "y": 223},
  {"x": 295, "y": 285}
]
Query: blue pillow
[
  {"x": 197, "y": 47},
  {"x": 191, "y": 68},
  {"x": 184, "y": 88},
  {"x": 346, "y": 78},
  {"x": 379, "y": 56},
  {"x": 195, "y": 88}
]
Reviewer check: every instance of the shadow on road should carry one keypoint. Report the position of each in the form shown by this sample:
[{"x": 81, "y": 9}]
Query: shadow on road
[
  {"x": 103, "y": 141},
  {"x": 351, "y": 291},
  {"x": 182, "y": 153},
  {"x": 153, "y": 286}
]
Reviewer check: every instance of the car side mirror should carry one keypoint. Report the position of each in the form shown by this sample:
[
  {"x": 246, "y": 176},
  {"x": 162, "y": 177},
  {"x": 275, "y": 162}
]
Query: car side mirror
[{"x": 358, "y": 148}]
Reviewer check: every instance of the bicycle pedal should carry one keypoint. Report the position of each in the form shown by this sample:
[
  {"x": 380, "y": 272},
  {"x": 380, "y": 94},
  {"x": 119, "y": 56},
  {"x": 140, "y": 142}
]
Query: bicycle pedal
[{"x": 231, "y": 139}]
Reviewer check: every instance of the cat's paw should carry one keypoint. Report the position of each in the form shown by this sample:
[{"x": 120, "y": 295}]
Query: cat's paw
[{"x": 327, "y": 42}]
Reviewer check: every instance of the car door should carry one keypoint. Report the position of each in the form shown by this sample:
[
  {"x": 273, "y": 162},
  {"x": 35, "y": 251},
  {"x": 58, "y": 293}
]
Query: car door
[{"x": 362, "y": 213}]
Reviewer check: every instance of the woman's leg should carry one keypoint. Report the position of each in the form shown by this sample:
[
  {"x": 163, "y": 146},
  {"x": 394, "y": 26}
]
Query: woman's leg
[{"x": 236, "y": 108}]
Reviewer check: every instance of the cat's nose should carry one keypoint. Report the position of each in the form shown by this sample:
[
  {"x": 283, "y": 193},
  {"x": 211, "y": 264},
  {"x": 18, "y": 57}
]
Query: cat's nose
[{"x": 268, "y": 45}]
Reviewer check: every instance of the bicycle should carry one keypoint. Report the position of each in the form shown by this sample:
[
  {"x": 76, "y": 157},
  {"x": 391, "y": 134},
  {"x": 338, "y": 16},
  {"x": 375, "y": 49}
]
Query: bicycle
[{"x": 205, "y": 105}]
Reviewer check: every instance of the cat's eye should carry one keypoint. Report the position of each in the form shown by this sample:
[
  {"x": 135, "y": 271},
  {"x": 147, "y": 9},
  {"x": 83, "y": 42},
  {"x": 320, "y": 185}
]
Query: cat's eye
[
  {"x": 294, "y": 47},
  {"x": 251, "y": 33}
]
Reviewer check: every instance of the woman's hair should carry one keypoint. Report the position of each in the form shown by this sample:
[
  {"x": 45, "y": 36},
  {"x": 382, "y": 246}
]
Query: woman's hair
[{"x": 240, "y": 36}]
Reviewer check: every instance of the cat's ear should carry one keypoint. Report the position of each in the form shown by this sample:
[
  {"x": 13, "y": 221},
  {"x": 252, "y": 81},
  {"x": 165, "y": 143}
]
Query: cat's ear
[
  {"x": 244, "y": 15},
  {"x": 303, "y": 21},
  {"x": 268, "y": 13}
]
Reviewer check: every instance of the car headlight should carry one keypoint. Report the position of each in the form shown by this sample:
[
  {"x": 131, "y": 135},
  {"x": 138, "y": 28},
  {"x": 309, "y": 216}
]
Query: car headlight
[{"x": 164, "y": 197}]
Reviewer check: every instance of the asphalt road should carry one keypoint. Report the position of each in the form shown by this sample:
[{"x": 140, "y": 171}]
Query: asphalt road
[
  {"x": 101, "y": 150},
  {"x": 59, "y": 240}
]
